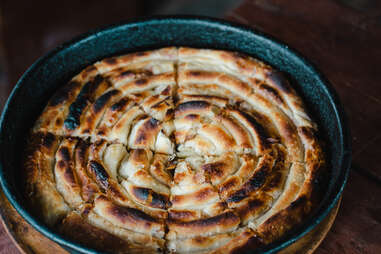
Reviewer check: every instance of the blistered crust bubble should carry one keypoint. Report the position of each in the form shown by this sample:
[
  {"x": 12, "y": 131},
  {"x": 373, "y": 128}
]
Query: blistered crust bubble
[{"x": 175, "y": 150}]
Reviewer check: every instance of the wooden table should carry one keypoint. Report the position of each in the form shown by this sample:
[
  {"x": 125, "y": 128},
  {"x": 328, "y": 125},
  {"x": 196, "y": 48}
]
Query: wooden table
[{"x": 342, "y": 37}]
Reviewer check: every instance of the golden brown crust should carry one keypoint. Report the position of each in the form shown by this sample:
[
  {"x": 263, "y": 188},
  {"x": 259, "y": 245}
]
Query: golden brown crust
[
  {"x": 175, "y": 150},
  {"x": 41, "y": 189}
]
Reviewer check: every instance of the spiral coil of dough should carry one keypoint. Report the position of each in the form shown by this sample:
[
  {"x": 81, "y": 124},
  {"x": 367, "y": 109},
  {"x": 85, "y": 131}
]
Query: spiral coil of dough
[{"x": 175, "y": 150}]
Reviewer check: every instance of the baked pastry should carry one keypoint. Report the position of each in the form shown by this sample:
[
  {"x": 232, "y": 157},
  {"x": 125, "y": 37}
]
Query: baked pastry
[{"x": 175, "y": 150}]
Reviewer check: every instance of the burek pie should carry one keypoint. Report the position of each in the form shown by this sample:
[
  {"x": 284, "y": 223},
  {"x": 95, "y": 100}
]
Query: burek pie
[{"x": 175, "y": 150}]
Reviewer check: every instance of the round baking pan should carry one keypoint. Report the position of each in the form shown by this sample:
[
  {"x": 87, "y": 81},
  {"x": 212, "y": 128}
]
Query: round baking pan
[{"x": 39, "y": 82}]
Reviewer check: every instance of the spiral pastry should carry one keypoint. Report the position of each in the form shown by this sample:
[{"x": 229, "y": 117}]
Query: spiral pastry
[{"x": 175, "y": 150}]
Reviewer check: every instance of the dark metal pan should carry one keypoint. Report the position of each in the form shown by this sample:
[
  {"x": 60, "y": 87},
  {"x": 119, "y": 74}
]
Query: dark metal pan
[{"x": 39, "y": 82}]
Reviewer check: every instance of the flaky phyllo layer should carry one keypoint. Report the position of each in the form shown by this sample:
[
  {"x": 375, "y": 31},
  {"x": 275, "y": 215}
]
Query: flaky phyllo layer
[{"x": 175, "y": 150}]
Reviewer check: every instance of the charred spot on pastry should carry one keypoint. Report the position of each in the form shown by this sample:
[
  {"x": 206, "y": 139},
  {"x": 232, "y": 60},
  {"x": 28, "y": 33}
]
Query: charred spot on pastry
[
  {"x": 258, "y": 127},
  {"x": 252, "y": 205},
  {"x": 214, "y": 169},
  {"x": 273, "y": 92},
  {"x": 127, "y": 73},
  {"x": 48, "y": 140},
  {"x": 81, "y": 102},
  {"x": 191, "y": 105},
  {"x": 147, "y": 195},
  {"x": 179, "y": 215},
  {"x": 64, "y": 153},
  {"x": 221, "y": 219},
  {"x": 103, "y": 100},
  {"x": 203, "y": 193},
  {"x": 227, "y": 185},
  {"x": 64, "y": 93},
  {"x": 124, "y": 214},
  {"x": 166, "y": 91},
  {"x": 120, "y": 104},
  {"x": 141, "y": 82},
  {"x": 254, "y": 183},
  {"x": 307, "y": 132},
  {"x": 275, "y": 181},
  {"x": 100, "y": 173}
]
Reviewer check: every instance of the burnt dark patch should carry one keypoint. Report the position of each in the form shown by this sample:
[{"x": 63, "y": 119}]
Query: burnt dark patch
[
  {"x": 119, "y": 105},
  {"x": 192, "y": 105},
  {"x": 86, "y": 210},
  {"x": 149, "y": 196},
  {"x": 81, "y": 151},
  {"x": 274, "y": 182},
  {"x": 200, "y": 239},
  {"x": 289, "y": 130},
  {"x": 166, "y": 91},
  {"x": 69, "y": 175},
  {"x": 151, "y": 124},
  {"x": 141, "y": 82},
  {"x": 83, "y": 99},
  {"x": 278, "y": 79},
  {"x": 126, "y": 73},
  {"x": 255, "y": 203},
  {"x": 195, "y": 73},
  {"x": 254, "y": 183},
  {"x": 258, "y": 179},
  {"x": 214, "y": 169},
  {"x": 192, "y": 117},
  {"x": 130, "y": 214},
  {"x": 180, "y": 215},
  {"x": 58, "y": 122},
  {"x": 253, "y": 206},
  {"x": 307, "y": 132},
  {"x": 90, "y": 69},
  {"x": 228, "y": 184},
  {"x": 64, "y": 153},
  {"x": 237, "y": 196},
  {"x": 258, "y": 127},
  {"x": 169, "y": 113},
  {"x": 221, "y": 219},
  {"x": 100, "y": 103},
  {"x": 48, "y": 140},
  {"x": 63, "y": 94},
  {"x": 141, "y": 138},
  {"x": 202, "y": 194},
  {"x": 61, "y": 164},
  {"x": 160, "y": 103},
  {"x": 100, "y": 173},
  {"x": 101, "y": 132},
  {"x": 159, "y": 201},
  {"x": 288, "y": 217},
  {"x": 274, "y": 93},
  {"x": 142, "y": 194},
  {"x": 299, "y": 202}
]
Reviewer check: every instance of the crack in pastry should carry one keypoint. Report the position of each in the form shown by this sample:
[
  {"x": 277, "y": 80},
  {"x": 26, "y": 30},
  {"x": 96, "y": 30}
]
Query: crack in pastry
[{"x": 175, "y": 150}]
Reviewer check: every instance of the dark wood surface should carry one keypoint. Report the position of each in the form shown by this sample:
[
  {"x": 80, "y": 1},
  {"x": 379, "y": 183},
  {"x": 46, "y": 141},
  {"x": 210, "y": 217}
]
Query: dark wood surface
[{"x": 343, "y": 38}]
